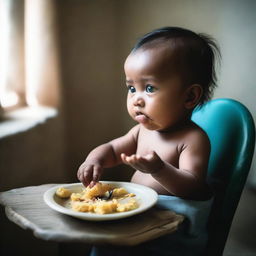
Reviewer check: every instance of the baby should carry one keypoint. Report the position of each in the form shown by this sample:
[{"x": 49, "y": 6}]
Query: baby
[{"x": 169, "y": 72}]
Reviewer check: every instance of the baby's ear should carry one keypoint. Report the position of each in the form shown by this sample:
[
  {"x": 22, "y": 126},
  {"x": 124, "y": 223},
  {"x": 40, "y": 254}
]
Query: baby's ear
[{"x": 193, "y": 95}]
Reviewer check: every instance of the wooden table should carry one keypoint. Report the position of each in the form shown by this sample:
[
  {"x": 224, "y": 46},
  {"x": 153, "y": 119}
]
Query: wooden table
[{"x": 26, "y": 207}]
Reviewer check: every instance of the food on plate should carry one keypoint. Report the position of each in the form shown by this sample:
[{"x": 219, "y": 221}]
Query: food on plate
[
  {"x": 103, "y": 207},
  {"x": 63, "y": 193},
  {"x": 102, "y": 199},
  {"x": 130, "y": 205},
  {"x": 97, "y": 190},
  {"x": 89, "y": 193},
  {"x": 82, "y": 206}
]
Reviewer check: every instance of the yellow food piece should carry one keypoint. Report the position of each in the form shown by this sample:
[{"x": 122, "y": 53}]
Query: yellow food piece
[
  {"x": 76, "y": 197},
  {"x": 104, "y": 207},
  {"x": 131, "y": 205},
  {"x": 82, "y": 207},
  {"x": 63, "y": 193},
  {"x": 117, "y": 192},
  {"x": 131, "y": 195},
  {"x": 97, "y": 190}
]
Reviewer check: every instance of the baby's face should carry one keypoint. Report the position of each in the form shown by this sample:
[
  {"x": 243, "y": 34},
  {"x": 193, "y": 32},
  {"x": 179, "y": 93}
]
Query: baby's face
[{"x": 156, "y": 96}]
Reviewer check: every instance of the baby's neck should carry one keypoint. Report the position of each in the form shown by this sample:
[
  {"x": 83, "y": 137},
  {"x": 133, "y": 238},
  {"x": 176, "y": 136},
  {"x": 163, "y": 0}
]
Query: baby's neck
[{"x": 178, "y": 126}]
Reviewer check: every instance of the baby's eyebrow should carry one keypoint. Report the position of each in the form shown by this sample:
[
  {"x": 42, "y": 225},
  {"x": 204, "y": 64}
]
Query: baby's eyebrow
[
  {"x": 129, "y": 81},
  {"x": 149, "y": 79}
]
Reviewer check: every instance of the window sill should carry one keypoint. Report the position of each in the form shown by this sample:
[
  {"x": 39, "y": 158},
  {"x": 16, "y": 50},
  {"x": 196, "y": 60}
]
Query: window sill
[{"x": 25, "y": 118}]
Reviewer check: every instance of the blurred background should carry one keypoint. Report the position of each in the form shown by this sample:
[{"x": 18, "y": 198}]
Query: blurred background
[{"x": 61, "y": 71}]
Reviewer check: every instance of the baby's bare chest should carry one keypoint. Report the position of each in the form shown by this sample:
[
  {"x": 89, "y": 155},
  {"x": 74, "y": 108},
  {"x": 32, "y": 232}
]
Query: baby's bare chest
[{"x": 168, "y": 149}]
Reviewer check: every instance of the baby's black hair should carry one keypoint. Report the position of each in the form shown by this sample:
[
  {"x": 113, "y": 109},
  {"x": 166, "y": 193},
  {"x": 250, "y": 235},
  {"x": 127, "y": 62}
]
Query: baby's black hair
[{"x": 197, "y": 53}]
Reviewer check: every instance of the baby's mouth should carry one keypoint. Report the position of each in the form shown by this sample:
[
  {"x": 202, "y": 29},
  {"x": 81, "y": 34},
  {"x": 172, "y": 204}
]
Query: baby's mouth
[{"x": 141, "y": 117}]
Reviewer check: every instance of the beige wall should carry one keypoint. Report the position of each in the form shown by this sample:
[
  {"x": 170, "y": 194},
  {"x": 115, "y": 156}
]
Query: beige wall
[{"x": 94, "y": 99}]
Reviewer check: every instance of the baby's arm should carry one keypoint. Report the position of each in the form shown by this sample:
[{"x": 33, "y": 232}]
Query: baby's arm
[
  {"x": 149, "y": 163},
  {"x": 107, "y": 155},
  {"x": 189, "y": 179}
]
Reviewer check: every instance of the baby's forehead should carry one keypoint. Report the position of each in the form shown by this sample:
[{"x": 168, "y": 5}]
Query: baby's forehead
[
  {"x": 159, "y": 47},
  {"x": 162, "y": 51},
  {"x": 160, "y": 55},
  {"x": 158, "y": 62}
]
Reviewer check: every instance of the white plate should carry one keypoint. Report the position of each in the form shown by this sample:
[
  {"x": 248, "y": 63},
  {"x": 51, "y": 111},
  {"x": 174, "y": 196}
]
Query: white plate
[{"x": 146, "y": 197}]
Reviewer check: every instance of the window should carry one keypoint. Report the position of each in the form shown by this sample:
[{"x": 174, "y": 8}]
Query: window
[{"x": 29, "y": 71}]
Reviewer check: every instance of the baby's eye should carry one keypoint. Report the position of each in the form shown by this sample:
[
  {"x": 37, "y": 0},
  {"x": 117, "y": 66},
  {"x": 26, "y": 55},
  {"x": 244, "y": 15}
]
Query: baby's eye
[
  {"x": 150, "y": 88},
  {"x": 131, "y": 89}
]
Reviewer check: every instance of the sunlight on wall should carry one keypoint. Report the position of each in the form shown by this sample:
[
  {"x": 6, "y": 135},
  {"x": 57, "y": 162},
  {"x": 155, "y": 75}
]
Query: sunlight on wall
[
  {"x": 8, "y": 97},
  {"x": 29, "y": 73},
  {"x": 34, "y": 56},
  {"x": 41, "y": 59}
]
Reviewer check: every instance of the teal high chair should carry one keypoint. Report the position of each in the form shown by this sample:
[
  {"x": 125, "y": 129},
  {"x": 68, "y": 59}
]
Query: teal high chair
[{"x": 231, "y": 131}]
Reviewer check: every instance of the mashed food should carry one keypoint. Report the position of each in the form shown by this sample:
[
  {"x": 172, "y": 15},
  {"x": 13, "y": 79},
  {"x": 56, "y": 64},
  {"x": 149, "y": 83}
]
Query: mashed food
[
  {"x": 63, "y": 193},
  {"x": 101, "y": 198}
]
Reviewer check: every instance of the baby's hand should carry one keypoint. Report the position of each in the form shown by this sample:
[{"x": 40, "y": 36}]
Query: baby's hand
[
  {"x": 89, "y": 173},
  {"x": 149, "y": 163}
]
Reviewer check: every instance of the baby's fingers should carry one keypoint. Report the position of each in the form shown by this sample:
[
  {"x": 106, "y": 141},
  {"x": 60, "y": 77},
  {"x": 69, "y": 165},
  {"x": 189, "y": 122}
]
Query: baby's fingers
[
  {"x": 85, "y": 174},
  {"x": 127, "y": 159},
  {"x": 89, "y": 173},
  {"x": 131, "y": 160},
  {"x": 95, "y": 175},
  {"x": 123, "y": 157},
  {"x": 97, "y": 170},
  {"x": 149, "y": 157}
]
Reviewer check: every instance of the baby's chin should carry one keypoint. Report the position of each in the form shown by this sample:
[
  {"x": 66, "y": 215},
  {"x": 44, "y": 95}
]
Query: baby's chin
[
  {"x": 151, "y": 126},
  {"x": 148, "y": 123}
]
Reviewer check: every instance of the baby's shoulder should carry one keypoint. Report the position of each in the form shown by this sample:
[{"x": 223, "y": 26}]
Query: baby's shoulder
[
  {"x": 195, "y": 135},
  {"x": 197, "y": 131}
]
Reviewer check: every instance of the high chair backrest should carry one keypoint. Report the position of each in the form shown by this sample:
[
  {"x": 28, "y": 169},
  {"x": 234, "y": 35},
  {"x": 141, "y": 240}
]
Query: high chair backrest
[{"x": 230, "y": 128}]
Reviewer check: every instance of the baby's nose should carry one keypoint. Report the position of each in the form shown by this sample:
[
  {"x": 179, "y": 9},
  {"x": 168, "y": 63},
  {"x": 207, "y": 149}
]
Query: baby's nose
[{"x": 139, "y": 101}]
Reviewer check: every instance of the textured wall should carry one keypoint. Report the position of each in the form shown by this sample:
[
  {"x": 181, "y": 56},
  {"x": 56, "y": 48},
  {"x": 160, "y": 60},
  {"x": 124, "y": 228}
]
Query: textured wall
[
  {"x": 33, "y": 157},
  {"x": 92, "y": 74}
]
